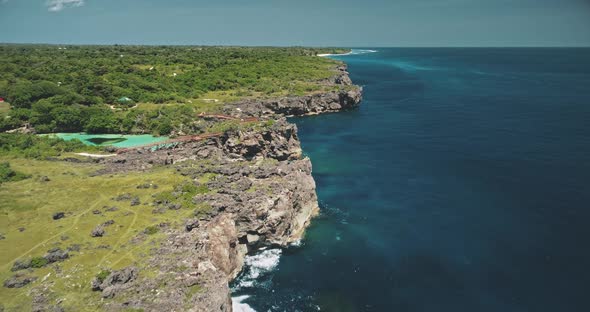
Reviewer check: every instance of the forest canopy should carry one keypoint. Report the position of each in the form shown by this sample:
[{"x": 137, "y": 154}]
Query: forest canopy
[{"x": 91, "y": 88}]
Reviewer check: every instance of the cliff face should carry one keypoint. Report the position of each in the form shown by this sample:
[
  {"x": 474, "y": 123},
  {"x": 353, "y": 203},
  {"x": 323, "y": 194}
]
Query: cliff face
[
  {"x": 346, "y": 97},
  {"x": 263, "y": 195},
  {"x": 300, "y": 105}
]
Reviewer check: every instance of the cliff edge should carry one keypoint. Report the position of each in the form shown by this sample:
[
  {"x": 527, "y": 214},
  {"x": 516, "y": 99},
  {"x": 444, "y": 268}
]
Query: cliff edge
[{"x": 262, "y": 194}]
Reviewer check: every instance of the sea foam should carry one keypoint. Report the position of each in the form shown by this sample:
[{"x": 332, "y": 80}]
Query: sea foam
[
  {"x": 239, "y": 306},
  {"x": 352, "y": 52},
  {"x": 257, "y": 265}
]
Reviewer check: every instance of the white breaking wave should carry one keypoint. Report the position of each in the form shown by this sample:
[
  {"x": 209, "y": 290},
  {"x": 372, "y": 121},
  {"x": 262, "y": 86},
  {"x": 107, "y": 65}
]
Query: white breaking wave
[
  {"x": 296, "y": 243},
  {"x": 257, "y": 265},
  {"x": 254, "y": 267},
  {"x": 352, "y": 52},
  {"x": 359, "y": 51},
  {"x": 238, "y": 306}
]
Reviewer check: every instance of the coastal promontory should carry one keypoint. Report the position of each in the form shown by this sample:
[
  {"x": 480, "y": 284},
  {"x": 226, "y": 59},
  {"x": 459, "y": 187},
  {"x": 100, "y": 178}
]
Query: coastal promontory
[{"x": 163, "y": 226}]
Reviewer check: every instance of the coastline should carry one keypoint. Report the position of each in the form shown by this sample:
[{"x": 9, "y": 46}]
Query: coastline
[
  {"x": 244, "y": 188},
  {"x": 241, "y": 222}
]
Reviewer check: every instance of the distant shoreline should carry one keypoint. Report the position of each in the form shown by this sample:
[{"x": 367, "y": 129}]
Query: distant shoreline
[
  {"x": 352, "y": 52},
  {"x": 328, "y": 54}
]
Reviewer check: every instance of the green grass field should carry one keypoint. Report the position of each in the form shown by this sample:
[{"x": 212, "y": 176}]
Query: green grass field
[{"x": 26, "y": 223}]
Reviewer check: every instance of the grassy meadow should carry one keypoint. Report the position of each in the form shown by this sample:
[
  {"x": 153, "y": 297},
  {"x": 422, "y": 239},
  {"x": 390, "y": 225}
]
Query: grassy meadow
[{"x": 29, "y": 230}]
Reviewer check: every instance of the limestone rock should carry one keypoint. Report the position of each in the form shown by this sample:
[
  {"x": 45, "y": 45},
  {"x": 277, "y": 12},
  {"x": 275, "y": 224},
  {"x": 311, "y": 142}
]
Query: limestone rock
[
  {"x": 18, "y": 281},
  {"x": 98, "y": 231},
  {"x": 115, "y": 282},
  {"x": 56, "y": 254}
]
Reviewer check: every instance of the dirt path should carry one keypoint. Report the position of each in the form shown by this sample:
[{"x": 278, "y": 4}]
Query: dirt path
[
  {"x": 76, "y": 220},
  {"x": 118, "y": 243},
  {"x": 96, "y": 155}
]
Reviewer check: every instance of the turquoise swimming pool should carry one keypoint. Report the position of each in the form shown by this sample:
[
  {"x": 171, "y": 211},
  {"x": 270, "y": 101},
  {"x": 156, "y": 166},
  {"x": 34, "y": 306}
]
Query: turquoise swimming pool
[{"x": 117, "y": 140}]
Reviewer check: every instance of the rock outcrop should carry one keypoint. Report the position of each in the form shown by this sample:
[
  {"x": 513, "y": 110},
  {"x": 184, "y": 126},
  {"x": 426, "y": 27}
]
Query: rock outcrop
[
  {"x": 115, "y": 282},
  {"x": 278, "y": 141},
  {"x": 313, "y": 104},
  {"x": 18, "y": 281},
  {"x": 344, "y": 97}
]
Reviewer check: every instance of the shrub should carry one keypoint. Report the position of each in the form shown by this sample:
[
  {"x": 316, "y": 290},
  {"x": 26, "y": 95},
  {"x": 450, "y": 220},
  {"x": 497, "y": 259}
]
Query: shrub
[
  {"x": 38, "y": 262},
  {"x": 102, "y": 275},
  {"x": 164, "y": 197},
  {"x": 270, "y": 123},
  {"x": 150, "y": 230},
  {"x": 165, "y": 127},
  {"x": 9, "y": 175}
]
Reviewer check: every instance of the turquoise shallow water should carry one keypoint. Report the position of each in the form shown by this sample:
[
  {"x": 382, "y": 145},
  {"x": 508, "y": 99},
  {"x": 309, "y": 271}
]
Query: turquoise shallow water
[
  {"x": 461, "y": 184},
  {"x": 117, "y": 140}
]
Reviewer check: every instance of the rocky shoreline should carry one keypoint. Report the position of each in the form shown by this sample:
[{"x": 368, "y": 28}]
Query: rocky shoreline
[{"x": 264, "y": 196}]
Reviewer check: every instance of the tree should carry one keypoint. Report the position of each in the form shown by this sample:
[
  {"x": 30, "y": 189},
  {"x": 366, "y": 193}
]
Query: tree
[
  {"x": 67, "y": 118},
  {"x": 164, "y": 127},
  {"x": 103, "y": 123}
]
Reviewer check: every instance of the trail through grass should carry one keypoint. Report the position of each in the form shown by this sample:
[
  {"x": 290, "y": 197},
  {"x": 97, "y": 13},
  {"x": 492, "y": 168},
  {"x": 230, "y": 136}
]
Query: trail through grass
[{"x": 29, "y": 230}]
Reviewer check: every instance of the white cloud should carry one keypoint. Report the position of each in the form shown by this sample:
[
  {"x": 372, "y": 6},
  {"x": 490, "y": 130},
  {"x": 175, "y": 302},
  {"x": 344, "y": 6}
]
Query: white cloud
[{"x": 58, "y": 5}]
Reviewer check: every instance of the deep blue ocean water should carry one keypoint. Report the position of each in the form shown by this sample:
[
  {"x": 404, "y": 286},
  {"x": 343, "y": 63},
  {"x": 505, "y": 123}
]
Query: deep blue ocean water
[{"x": 462, "y": 183}]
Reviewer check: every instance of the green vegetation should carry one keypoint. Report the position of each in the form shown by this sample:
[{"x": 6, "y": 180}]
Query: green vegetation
[
  {"x": 26, "y": 221},
  {"x": 39, "y": 147},
  {"x": 103, "y": 275},
  {"x": 38, "y": 262},
  {"x": 151, "y": 230},
  {"x": 105, "y": 88},
  {"x": 9, "y": 175},
  {"x": 181, "y": 196},
  {"x": 47, "y": 204},
  {"x": 193, "y": 290},
  {"x": 4, "y": 109}
]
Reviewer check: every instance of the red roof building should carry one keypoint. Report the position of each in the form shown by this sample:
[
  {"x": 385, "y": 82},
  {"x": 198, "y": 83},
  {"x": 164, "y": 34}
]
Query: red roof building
[{"x": 1, "y": 100}]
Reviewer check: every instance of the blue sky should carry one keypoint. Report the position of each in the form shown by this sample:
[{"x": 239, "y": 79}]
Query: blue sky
[{"x": 347, "y": 23}]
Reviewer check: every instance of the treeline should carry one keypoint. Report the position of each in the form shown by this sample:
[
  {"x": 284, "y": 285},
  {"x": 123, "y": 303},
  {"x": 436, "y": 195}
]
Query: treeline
[
  {"x": 65, "y": 88},
  {"x": 39, "y": 147},
  {"x": 48, "y": 117}
]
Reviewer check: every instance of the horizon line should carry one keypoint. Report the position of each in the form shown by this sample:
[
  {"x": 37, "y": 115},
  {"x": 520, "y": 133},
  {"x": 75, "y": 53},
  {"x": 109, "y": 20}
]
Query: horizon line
[{"x": 295, "y": 46}]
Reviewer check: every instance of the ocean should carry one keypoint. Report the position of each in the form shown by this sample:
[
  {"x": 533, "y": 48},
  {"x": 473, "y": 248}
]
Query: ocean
[{"x": 462, "y": 183}]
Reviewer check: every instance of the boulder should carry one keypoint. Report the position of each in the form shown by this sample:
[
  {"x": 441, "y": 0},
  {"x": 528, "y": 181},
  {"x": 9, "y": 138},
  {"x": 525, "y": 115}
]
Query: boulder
[
  {"x": 123, "y": 276},
  {"x": 21, "y": 265},
  {"x": 110, "y": 222},
  {"x": 59, "y": 215},
  {"x": 191, "y": 224},
  {"x": 98, "y": 231},
  {"x": 135, "y": 201},
  {"x": 123, "y": 197},
  {"x": 114, "y": 282},
  {"x": 252, "y": 238},
  {"x": 55, "y": 255}
]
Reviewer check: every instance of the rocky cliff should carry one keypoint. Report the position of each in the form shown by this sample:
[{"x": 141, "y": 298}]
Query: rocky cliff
[
  {"x": 345, "y": 96},
  {"x": 263, "y": 194}
]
